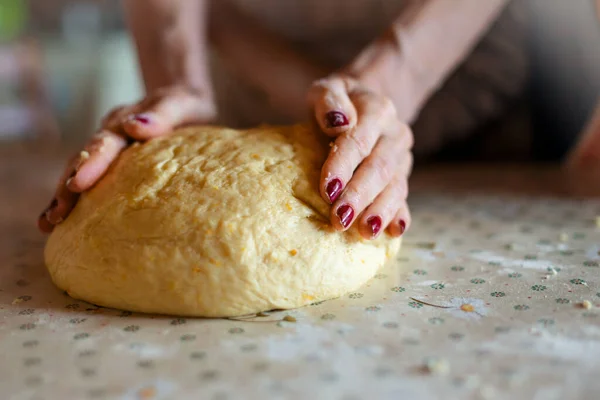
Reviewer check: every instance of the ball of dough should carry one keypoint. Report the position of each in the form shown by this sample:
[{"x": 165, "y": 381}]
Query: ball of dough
[{"x": 212, "y": 222}]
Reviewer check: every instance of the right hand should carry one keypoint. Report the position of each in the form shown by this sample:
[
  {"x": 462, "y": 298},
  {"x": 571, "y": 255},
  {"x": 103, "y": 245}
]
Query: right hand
[{"x": 156, "y": 115}]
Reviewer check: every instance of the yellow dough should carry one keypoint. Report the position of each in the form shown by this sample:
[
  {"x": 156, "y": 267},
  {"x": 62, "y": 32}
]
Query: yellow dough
[{"x": 212, "y": 222}]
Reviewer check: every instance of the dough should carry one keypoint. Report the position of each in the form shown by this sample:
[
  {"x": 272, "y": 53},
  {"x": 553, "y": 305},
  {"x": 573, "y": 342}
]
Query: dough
[{"x": 212, "y": 222}]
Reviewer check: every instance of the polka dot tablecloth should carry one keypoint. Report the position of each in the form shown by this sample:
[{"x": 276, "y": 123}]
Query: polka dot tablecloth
[{"x": 494, "y": 296}]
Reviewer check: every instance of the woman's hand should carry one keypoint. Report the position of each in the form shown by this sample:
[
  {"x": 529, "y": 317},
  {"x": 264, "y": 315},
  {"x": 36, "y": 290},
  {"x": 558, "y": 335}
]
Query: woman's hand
[
  {"x": 156, "y": 115},
  {"x": 365, "y": 175}
]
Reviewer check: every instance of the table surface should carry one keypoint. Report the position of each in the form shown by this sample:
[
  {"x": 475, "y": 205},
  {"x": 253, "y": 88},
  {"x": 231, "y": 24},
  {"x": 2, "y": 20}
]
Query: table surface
[{"x": 485, "y": 301}]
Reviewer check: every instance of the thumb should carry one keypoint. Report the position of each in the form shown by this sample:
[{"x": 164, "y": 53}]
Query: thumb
[
  {"x": 332, "y": 106},
  {"x": 158, "y": 116}
]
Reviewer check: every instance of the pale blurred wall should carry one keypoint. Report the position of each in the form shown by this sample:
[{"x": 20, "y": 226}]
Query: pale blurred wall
[
  {"x": 565, "y": 79},
  {"x": 90, "y": 60}
]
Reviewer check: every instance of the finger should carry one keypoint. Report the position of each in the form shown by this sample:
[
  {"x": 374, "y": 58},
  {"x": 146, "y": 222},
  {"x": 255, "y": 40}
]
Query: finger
[
  {"x": 160, "y": 116},
  {"x": 333, "y": 109},
  {"x": 401, "y": 222},
  {"x": 114, "y": 117},
  {"x": 43, "y": 224},
  {"x": 376, "y": 218},
  {"x": 64, "y": 202},
  {"x": 352, "y": 146},
  {"x": 94, "y": 161},
  {"x": 369, "y": 180},
  {"x": 61, "y": 196}
]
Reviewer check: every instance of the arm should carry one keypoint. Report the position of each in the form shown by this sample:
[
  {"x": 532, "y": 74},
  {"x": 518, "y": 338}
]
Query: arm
[
  {"x": 366, "y": 106},
  {"x": 170, "y": 39},
  {"x": 423, "y": 46},
  {"x": 170, "y": 36}
]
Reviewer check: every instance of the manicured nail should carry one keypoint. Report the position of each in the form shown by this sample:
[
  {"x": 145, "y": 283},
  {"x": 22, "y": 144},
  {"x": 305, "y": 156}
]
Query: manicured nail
[
  {"x": 141, "y": 118},
  {"x": 335, "y": 119},
  {"x": 51, "y": 207},
  {"x": 345, "y": 213},
  {"x": 402, "y": 226},
  {"x": 375, "y": 224},
  {"x": 334, "y": 188}
]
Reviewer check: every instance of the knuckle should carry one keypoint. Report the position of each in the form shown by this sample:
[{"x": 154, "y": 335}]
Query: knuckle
[
  {"x": 360, "y": 141},
  {"x": 402, "y": 189},
  {"x": 380, "y": 166},
  {"x": 113, "y": 114},
  {"x": 407, "y": 135},
  {"x": 320, "y": 84},
  {"x": 387, "y": 106},
  {"x": 318, "y": 89}
]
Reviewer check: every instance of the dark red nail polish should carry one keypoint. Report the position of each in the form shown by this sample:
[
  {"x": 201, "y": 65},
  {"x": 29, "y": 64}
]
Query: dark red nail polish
[
  {"x": 375, "y": 224},
  {"x": 141, "y": 118},
  {"x": 334, "y": 189},
  {"x": 345, "y": 213},
  {"x": 402, "y": 226},
  {"x": 335, "y": 119}
]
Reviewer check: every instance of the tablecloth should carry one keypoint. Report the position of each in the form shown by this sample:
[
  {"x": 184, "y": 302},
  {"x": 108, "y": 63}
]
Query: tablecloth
[{"x": 494, "y": 295}]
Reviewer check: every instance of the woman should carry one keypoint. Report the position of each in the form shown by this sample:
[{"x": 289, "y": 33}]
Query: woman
[{"x": 454, "y": 64}]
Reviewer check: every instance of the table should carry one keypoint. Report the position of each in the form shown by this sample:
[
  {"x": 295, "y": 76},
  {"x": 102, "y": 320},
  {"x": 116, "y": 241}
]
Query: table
[{"x": 493, "y": 296}]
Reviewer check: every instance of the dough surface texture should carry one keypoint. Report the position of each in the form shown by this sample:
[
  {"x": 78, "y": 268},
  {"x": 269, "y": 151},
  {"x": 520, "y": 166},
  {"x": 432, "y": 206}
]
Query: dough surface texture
[{"x": 212, "y": 222}]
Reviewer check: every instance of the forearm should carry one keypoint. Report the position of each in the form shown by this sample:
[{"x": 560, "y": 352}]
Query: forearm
[
  {"x": 423, "y": 46},
  {"x": 170, "y": 36}
]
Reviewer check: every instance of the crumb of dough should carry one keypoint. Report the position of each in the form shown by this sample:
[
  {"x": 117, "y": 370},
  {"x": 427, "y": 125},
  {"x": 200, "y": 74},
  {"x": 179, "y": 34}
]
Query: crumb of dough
[
  {"x": 18, "y": 300},
  {"x": 563, "y": 237},
  {"x": 293, "y": 252},
  {"x": 289, "y": 318},
  {"x": 586, "y": 304},
  {"x": 435, "y": 365},
  {"x": 83, "y": 156}
]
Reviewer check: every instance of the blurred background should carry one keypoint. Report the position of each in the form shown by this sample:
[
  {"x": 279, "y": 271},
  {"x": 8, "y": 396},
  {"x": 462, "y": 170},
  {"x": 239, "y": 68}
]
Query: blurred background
[{"x": 65, "y": 63}]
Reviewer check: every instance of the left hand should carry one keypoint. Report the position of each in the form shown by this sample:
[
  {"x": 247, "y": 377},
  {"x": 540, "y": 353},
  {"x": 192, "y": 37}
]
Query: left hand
[{"x": 365, "y": 175}]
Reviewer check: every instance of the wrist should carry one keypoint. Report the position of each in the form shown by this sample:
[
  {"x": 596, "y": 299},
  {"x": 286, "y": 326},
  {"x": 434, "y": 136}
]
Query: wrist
[{"x": 383, "y": 69}]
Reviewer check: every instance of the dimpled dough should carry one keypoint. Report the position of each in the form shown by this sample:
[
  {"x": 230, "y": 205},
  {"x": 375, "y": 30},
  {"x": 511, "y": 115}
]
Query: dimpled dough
[{"x": 212, "y": 222}]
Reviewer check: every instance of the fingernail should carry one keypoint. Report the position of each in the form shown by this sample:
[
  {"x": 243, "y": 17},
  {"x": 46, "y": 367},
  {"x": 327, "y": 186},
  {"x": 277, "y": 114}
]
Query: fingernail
[
  {"x": 334, "y": 188},
  {"x": 52, "y": 206},
  {"x": 375, "y": 224},
  {"x": 402, "y": 226},
  {"x": 345, "y": 213},
  {"x": 335, "y": 119},
  {"x": 141, "y": 118}
]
